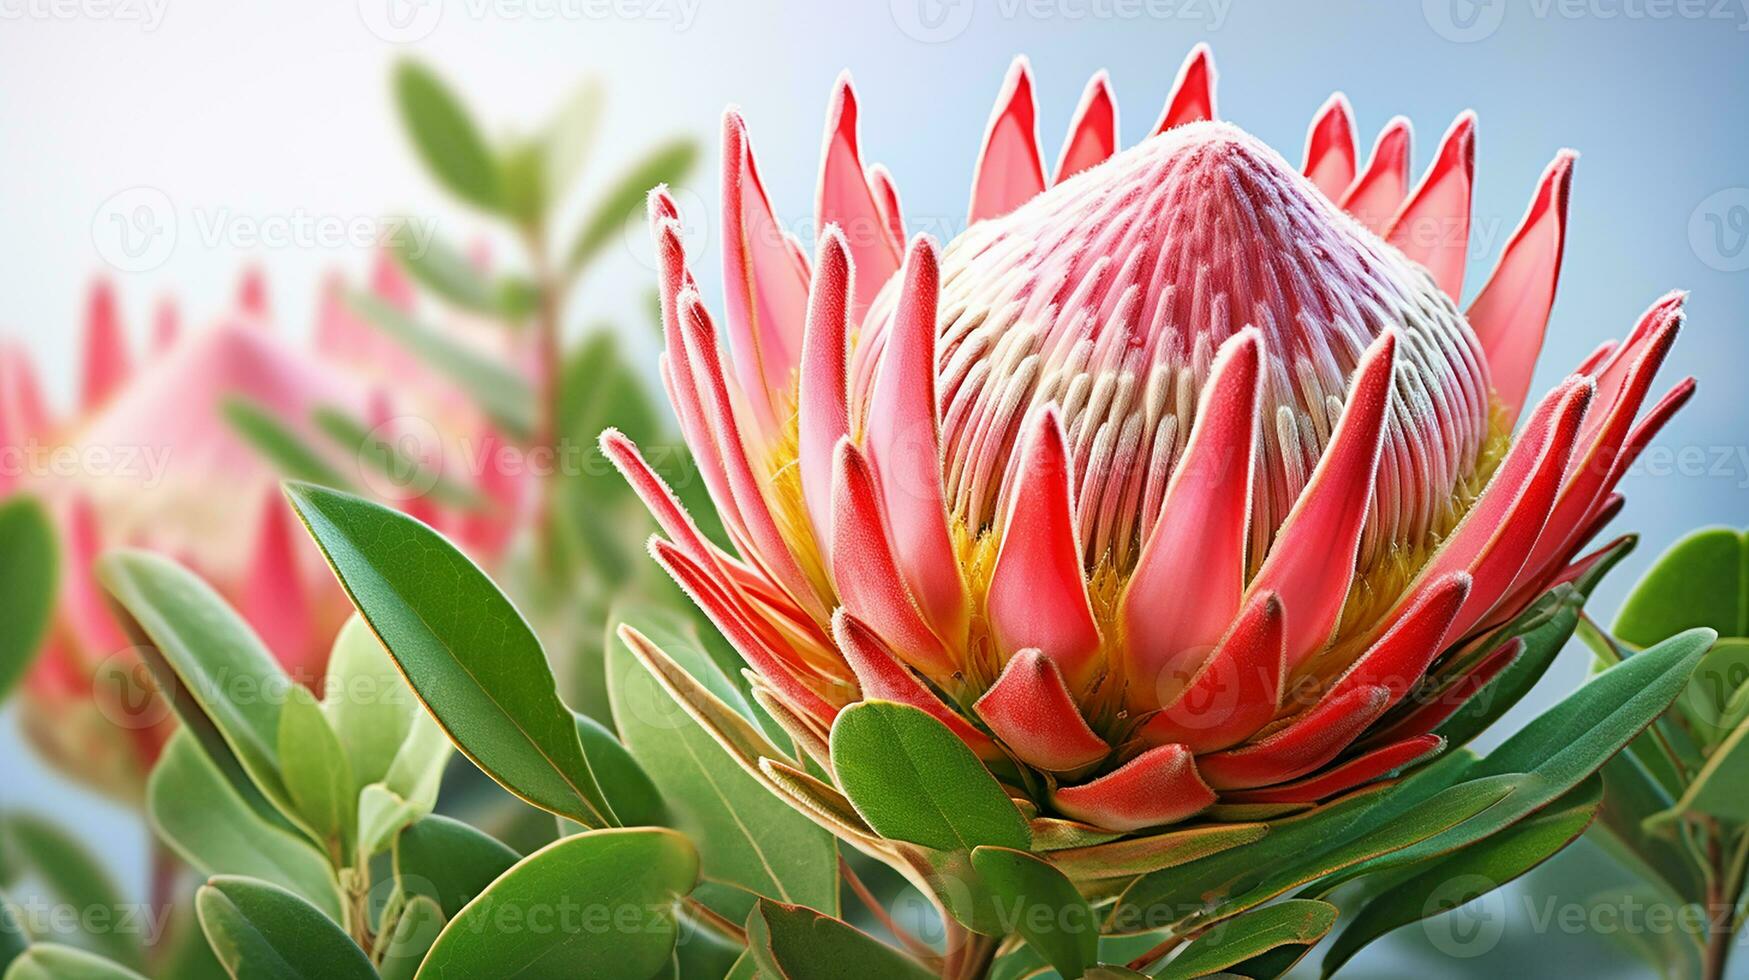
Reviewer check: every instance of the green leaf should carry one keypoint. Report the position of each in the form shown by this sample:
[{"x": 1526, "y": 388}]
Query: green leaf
[
  {"x": 634, "y": 798},
  {"x": 1703, "y": 580},
  {"x": 281, "y": 445},
  {"x": 230, "y": 682},
  {"x": 599, "y": 389},
  {"x": 28, "y": 574},
  {"x": 522, "y": 168},
  {"x": 371, "y": 708},
  {"x": 443, "y": 269},
  {"x": 13, "y": 937},
  {"x": 746, "y": 835},
  {"x": 913, "y": 780},
  {"x": 195, "y": 811},
  {"x": 52, "y": 961},
  {"x": 258, "y": 929},
  {"x": 1447, "y": 883},
  {"x": 1295, "y": 921},
  {"x": 1045, "y": 908},
  {"x": 446, "y": 137},
  {"x": 569, "y": 135},
  {"x": 408, "y": 790},
  {"x": 1132, "y": 856},
  {"x": 1298, "y": 850},
  {"x": 596, "y": 905},
  {"x": 788, "y": 942},
  {"x": 448, "y": 862},
  {"x": 1545, "y": 629},
  {"x": 317, "y": 774},
  {"x": 667, "y": 162},
  {"x": 470, "y": 657},
  {"x": 499, "y": 390},
  {"x": 1706, "y": 702},
  {"x": 72, "y": 878},
  {"x": 415, "y": 929},
  {"x": 1634, "y": 795},
  {"x": 1720, "y": 789},
  {"x": 1572, "y": 740}
]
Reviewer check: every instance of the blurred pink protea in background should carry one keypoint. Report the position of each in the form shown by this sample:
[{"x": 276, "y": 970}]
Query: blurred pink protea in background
[
  {"x": 138, "y": 461},
  {"x": 1163, "y": 485}
]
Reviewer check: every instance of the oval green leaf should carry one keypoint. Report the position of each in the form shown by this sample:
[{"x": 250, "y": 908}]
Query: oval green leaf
[
  {"x": 317, "y": 774},
  {"x": 260, "y": 930},
  {"x": 1295, "y": 921},
  {"x": 1044, "y": 907},
  {"x": 599, "y": 905},
  {"x": 788, "y": 942},
  {"x": 200, "y": 816},
  {"x": 227, "y": 686},
  {"x": 446, "y": 137},
  {"x": 469, "y": 655},
  {"x": 52, "y": 961},
  {"x": 448, "y": 861},
  {"x": 27, "y": 585},
  {"x": 913, "y": 780},
  {"x": 1703, "y": 580},
  {"x": 667, "y": 163},
  {"x": 746, "y": 835},
  {"x": 415, "y": 929}
]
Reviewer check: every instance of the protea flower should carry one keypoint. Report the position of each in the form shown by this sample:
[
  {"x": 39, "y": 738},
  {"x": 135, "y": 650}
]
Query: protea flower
[
  {"x": 152, "y": 444},
  {"x": 1166, "y": 482}
]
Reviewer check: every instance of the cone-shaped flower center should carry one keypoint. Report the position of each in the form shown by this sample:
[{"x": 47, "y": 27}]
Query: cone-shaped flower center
[{"x": 1109, "y": 295}]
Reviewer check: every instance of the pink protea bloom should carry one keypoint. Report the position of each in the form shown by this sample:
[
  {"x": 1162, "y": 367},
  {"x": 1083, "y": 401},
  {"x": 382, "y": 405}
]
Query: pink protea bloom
[
  {"x": 146, "y": 458},
  {"x": 1168, "y": 479}
]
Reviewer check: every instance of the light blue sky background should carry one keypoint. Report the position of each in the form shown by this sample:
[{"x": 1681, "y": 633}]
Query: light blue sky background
[{"x": 245, "y": 114}]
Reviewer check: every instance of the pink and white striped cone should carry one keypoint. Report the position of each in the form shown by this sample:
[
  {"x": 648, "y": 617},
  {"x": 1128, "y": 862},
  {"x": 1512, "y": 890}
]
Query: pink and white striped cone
[{"x": 1169, "y": 479}]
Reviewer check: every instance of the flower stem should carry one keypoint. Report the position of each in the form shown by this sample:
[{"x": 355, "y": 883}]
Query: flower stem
[
  {"x": 911, "y": 943},
  {"x": 1724, "y": 889},
  {"x": 971, "y": 956},
  {"x": 549, "y": 357}
]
